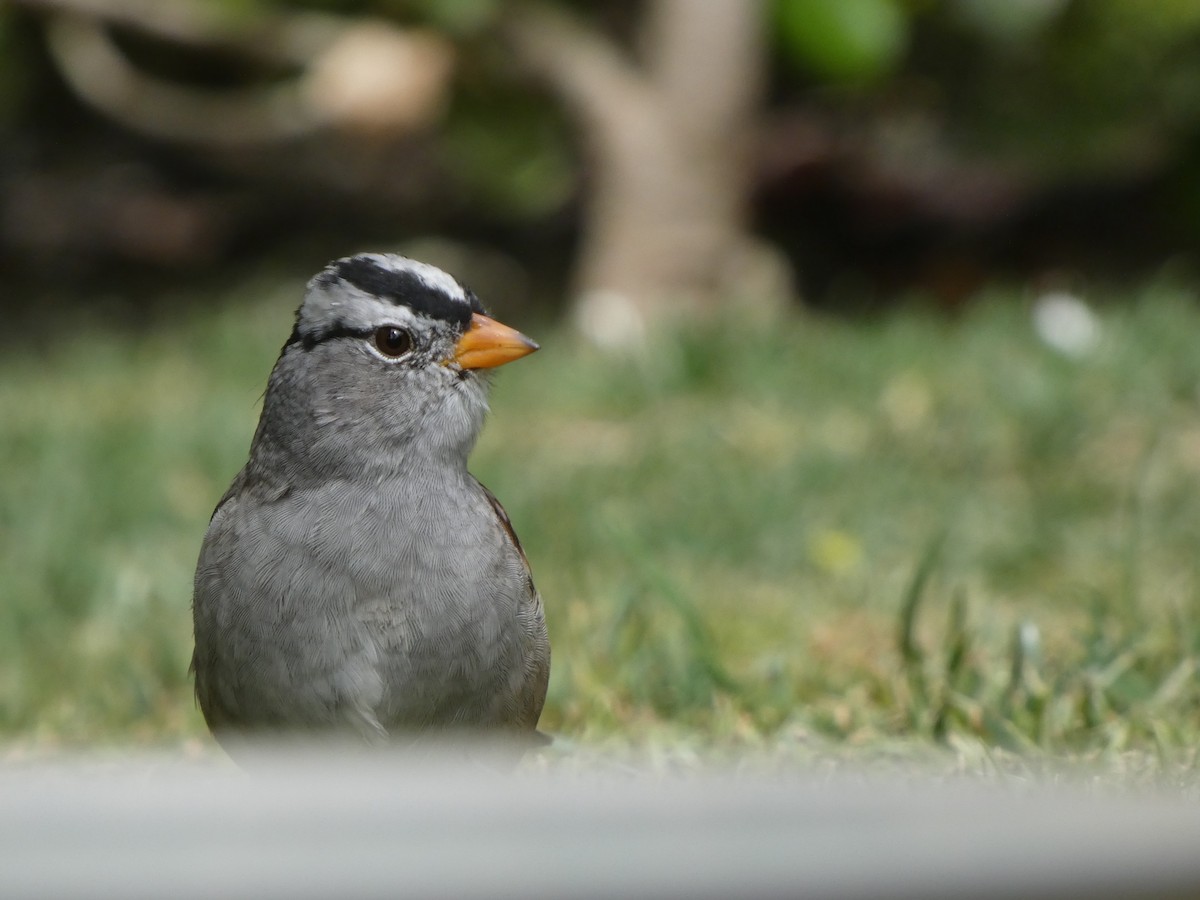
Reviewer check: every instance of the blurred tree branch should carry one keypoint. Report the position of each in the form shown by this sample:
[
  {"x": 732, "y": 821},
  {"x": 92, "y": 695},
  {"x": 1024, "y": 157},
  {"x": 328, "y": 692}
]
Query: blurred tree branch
[
  {"x": 289, "y": 38},
  {"x": 361, "y": 74}
]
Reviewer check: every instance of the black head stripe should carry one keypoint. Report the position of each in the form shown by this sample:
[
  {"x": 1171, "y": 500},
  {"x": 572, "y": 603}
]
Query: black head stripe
[
  {"x": 308, "y": 341},
  {"x": 404, "y": 289}
]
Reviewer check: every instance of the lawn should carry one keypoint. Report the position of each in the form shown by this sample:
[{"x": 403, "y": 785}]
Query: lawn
[{"x": 823, "y": 538}]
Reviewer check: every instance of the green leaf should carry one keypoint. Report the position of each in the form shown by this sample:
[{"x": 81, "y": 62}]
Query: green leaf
[{"x": 843, "y": 40}]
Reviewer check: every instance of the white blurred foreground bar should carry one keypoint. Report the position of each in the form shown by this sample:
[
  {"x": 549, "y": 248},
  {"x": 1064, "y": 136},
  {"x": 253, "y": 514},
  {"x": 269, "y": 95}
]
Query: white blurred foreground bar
[{"x": 355, "y": 825}]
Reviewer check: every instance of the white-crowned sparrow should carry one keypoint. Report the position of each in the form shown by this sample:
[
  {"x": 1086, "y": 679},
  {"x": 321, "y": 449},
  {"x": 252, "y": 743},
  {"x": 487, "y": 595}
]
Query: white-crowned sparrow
[{"x": 355, "y": 576}]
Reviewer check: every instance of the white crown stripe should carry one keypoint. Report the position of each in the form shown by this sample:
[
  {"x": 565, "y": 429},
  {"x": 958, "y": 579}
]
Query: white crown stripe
[{"x": 334, "y": 303}]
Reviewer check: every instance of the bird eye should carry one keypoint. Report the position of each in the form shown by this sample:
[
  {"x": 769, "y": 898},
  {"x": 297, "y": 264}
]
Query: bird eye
[{"x": 392, "y": 341}]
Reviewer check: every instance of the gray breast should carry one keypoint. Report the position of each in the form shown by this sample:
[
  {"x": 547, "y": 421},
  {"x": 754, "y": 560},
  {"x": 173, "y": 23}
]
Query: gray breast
[{"x": 372, "y": 607}]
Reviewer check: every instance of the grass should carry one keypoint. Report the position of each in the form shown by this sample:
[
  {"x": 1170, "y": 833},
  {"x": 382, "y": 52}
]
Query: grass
[{"x": 826, "y": 538}]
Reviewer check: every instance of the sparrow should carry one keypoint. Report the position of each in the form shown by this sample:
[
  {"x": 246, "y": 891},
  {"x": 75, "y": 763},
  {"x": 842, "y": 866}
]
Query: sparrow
[{"x": 356, "y": 578}]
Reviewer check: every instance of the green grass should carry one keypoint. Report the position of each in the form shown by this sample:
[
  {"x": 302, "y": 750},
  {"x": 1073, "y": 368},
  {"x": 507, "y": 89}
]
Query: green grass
[{"x": 908, "y": 532}]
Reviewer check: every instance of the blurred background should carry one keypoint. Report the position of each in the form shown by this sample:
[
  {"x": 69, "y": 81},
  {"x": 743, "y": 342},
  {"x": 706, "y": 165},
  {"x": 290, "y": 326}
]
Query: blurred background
[
  {"x": 868, "y": 150},
  {"x": 867, "y": 411}
]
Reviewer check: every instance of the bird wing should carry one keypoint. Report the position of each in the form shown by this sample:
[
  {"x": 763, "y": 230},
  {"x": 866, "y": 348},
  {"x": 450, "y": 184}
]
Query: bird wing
[{"x": 533, "y": 620}]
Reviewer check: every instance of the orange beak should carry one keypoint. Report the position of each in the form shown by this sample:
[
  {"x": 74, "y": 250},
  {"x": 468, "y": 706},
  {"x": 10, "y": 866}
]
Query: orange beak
[{"x": 488, "y": 344}]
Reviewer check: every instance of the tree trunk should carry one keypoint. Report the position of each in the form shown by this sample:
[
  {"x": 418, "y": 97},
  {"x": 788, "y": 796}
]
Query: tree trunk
[{"x": 665, "y": 227}]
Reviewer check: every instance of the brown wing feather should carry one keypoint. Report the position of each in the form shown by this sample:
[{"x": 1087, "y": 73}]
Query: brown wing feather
[
  {"x": 508, "y": 526},
  {"x": 537, "y": 663}
]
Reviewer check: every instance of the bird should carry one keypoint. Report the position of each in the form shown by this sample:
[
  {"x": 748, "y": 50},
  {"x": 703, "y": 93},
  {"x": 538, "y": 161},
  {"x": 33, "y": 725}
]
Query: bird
[{"x": 355, "y": 579}]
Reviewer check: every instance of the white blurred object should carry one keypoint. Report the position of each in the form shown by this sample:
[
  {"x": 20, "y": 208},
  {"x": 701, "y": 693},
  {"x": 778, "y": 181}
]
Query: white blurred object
[
  {"x": 1066, "y": 323},
  {"x": 611, "y": 320},
  {"x": 379, "y": 78},
  {"x": 338, "y": 825}
]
